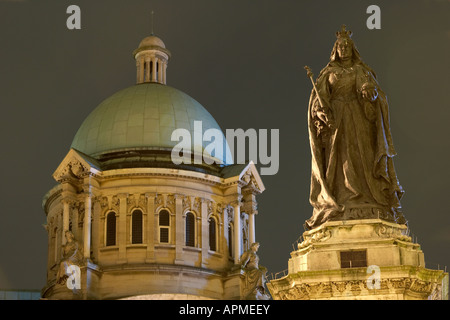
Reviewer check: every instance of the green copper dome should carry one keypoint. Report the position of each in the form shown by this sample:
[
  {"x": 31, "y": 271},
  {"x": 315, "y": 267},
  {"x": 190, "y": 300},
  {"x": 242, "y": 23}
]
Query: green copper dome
[{"x": 142, "y": 117}]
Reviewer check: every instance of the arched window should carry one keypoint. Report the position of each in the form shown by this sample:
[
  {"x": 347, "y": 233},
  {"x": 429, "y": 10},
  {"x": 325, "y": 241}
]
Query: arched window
[
  {"x": 111, "y": 229},
  {"x": 230, "y": 240},
  {"x": 136, "y": 226},
  {"x": 212, "y": 234},
  {"x": 164, "y": 226},
  {"x": 190, "y": 229}
]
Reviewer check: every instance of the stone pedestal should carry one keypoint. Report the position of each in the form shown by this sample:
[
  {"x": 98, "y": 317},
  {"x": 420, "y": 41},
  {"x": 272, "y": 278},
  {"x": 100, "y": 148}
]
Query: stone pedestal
[{"x": 359, "y": 259}]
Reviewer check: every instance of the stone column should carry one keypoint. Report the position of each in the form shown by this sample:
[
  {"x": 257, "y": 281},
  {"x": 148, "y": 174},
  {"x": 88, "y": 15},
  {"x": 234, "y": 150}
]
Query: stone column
[
  {"x": 96, "y": 229},
  {"x": 237, "y": 231},
  {"x": 66, "y": 213},
  {"x": 220, "y": 234},
  {"x": 179, "y": 229},
  {"x": 138, "y": 71},
  {"x": 164, "y": 73},
  {"x": 147, "y": 70},
  {"x": 122, "y": 228},
  {"x": 251, "y": 226},
  {"x": 154, "y": 71},
  {"x": 151, "y": 227},
  {"x": 142, "y": 63},
  {"x": 250, "y": 207},
  {"x": 225, "y": 239},
  {"x": 160, "y": 72},
  {"x": 204, "y": 230},
  {"x": 57, "y": 248},
  {"x": 87, "y": 223},
  {"x": 75, "y": 228}
]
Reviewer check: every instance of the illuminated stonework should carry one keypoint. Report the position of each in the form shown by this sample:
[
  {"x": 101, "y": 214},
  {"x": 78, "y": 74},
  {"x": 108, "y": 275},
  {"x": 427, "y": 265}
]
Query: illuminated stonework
[
  {"x": 356, "y": 245},
  {"x": 145, "y": 227},
  {"x": 317, "y": 270}
]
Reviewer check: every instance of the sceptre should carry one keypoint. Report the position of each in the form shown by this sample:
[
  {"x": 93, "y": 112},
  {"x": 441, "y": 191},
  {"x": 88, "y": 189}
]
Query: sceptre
[{"x": 327, "y": 121}]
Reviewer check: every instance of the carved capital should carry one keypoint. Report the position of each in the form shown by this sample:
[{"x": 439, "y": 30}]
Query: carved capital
[
  {"x": 186, "y": 202},
  {"x": 115, "y": 203},
  {"x": 159, "y": 200},
  {"x": 143, "y": 200}
]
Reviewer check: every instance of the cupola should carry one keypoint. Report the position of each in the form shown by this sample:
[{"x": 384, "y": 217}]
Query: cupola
[{"x": 151, "y": 60}]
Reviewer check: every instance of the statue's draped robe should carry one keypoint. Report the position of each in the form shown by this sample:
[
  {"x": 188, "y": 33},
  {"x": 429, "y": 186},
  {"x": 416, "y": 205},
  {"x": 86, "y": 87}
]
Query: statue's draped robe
[
  {"x": 254, "y": 274},
  {"x": 353, "y": 175},
  {"x": 72, "y": 255}
]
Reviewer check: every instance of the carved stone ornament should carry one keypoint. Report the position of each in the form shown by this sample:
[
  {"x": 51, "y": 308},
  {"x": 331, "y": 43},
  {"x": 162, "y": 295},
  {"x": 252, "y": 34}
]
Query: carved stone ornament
[
  {"x": 115, "y": 203},
  {"x": 159, "y": 200},
  {"x": 248, "y": 180},
  {"x": 78, "y": 169},
  {"x": 104, "y": 202},
  {"x": 131, "y": 202},
  {"x": 143, "y": 200},
  {"x": 197, "y": 204},
  {"x": 254, "y": 275},
  {"x": 81, "y": 207},
  {"x": 72, "y": 254},
  {"x": 247, "y": 177},
  {"x": 230, "y": 213},
  {"x": 170, "y": 202},
  {"x": 210, "y": 206},
  {"x": 384, "y": 231},
  {"x": 319, "y": 236},
  {"x": 186, "y": 203},
  {"x": 354, "y": 288},
  {"x": 219, "y": 208},
  {"x": 72, "y": 170}
]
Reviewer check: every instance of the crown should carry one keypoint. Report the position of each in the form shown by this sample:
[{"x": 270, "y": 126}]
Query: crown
[{"x": 344, "y": 33}]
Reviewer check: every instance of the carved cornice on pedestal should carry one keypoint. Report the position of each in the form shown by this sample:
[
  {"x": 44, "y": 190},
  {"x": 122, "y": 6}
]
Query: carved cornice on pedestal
[
  {"x": 381, "y": 230},
  {"x": 358, "y": 289}
]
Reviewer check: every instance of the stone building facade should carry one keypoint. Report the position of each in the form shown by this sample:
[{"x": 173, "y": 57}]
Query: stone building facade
[{"x": 145, "y": 227}]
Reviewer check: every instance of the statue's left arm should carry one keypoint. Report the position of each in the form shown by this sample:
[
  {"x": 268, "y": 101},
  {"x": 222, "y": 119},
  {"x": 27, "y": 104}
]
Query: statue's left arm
[{"x": 367, "y": 84}]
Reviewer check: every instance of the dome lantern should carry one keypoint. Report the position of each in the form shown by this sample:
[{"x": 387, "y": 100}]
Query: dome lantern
[{"x": 151, "y": 60}]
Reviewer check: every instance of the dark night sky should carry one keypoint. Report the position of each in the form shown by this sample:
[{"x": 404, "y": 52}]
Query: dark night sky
[{"x": 243, "y": 61}]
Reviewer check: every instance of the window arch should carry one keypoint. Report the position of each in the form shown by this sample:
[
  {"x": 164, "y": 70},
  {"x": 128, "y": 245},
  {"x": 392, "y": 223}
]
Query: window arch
[
  {"x": 111, "y": 229},
  {"x": 212, "y": 234},
  {"x": 164, "y": 226},
  {"x": 190, "y": 229},
  {"x": 136, "y": 227}
]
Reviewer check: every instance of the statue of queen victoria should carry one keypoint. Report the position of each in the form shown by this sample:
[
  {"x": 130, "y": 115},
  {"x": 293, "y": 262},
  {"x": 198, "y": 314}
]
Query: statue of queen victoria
[{"x": 352, "y": 173}]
